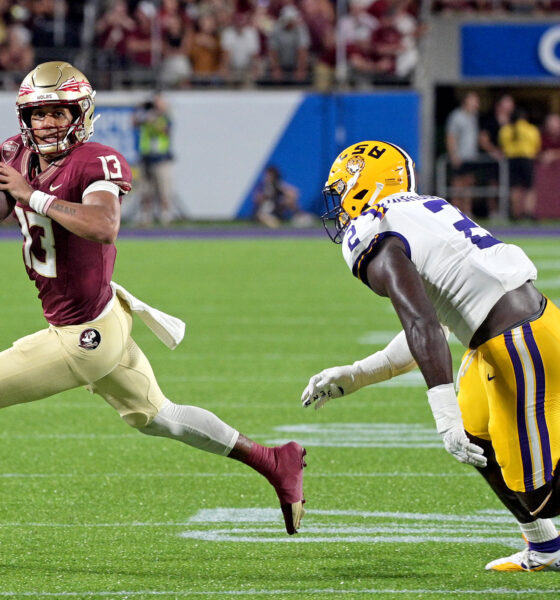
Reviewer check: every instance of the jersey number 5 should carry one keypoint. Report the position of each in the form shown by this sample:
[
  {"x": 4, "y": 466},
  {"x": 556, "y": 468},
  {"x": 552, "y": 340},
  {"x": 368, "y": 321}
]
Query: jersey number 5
[{"x": 44, "y": 244}]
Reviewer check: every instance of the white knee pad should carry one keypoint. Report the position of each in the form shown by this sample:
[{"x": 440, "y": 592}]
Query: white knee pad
[{"x": 194, "y": 426}]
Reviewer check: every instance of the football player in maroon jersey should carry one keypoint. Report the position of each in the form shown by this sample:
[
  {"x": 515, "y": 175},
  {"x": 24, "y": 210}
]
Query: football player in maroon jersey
[{"x": 66, "y": 193}]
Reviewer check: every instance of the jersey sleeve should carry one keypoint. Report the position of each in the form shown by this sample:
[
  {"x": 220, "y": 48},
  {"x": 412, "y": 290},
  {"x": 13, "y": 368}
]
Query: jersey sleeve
[
  {"x": 101, "y": 163},
  {"x": 361, "y": 241}
]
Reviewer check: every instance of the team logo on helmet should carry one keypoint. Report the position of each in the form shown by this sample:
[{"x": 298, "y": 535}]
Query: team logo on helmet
[
  {"x": 90, "y": 339},
  {"x": 25, "y": 89},
  {"x": 9, "y": 150},
  {"x": 73, "y": 85},
  {"x": 355, "y": 164}
]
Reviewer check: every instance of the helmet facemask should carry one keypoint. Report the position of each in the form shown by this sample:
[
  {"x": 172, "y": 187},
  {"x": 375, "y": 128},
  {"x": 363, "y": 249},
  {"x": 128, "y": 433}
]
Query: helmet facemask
[
  {"x": 335, "y": 218},
  {"x": 67, "y": 136}
]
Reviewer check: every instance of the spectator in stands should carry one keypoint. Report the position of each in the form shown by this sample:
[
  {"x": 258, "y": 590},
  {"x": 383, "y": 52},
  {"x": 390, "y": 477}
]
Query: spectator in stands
[
  {"x": 357, "y": 25},
  {"x": 492, "y": 122},
  {"x": 154, "y": 147},
  {"x": 223, "y": 11},
  {"x": 411, "y": 30},
  {"x": 320, "y": 18},
  {"x": 490, "y": 125},
  {"x": 324, "y": 68},
  {"x": 240, "y": 50},
  {"x": 387, "y": 42},
  {"x": 169, "y": 12},
  {"x": 138, "y": 42},
  {"x": 288, "y": 47},
  {"x": 175, "y": 68},
  {"x": 365, "y": 64},
  {"x": 16, "y": 53},
  {"x": 462, "y": 148},
  {"x": 277, "y": 202},
  {"x": 378, "y": 8},
  {"x": 520, "y": 141},
  {"x": 550, "y": 138},
  {"x": 205, "y": 50},
  {"x": 112, "y": 29}
]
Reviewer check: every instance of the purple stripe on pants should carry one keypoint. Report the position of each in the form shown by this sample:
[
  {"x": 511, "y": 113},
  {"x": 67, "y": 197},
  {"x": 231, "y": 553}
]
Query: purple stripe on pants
[
  {"x": 521, "y": 422},
  {"x": 539, "y": 399}
]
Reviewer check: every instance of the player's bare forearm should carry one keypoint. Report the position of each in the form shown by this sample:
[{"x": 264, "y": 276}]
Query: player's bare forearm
[
  {"x": 429, "y": 348},
  {"x": 391, "y": 273},
  {"x": 90, "y": 221}
]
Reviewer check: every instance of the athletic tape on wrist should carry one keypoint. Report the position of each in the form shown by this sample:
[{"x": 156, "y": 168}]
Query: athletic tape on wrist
[
  {"x": 41, "y": 202},
  {"x": 445, "y": 408}
]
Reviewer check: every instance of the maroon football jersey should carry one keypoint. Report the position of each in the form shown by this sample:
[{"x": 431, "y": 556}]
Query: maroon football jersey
[{"x": 72, "y": 274}]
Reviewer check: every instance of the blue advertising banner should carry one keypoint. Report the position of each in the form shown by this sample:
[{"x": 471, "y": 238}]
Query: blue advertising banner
[
  {"x": 520, "y": 50},
  {"x": 323, "y": 125},
  {"x": 115, "y": 128}
]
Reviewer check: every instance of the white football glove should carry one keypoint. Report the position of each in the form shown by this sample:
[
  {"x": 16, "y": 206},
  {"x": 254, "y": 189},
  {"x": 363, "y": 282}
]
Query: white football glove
[
  {"x": 395, "y": 359},
  {"x": 449, "y": 423},
  {"x": 330, "y": 383},
  {"x": 459, "y": 446}
]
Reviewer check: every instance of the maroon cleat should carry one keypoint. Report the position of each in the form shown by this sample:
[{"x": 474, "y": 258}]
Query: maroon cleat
[{"x": 287, "y": 480}]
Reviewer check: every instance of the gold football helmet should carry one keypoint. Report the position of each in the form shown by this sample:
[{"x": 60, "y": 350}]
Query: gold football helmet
[
  {"x": 361, "y": 176},
  {"x": 56, "y": 83}
]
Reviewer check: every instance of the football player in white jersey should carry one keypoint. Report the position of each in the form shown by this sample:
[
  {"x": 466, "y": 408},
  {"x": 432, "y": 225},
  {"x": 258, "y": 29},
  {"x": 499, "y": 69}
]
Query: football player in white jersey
[{"x": 443, "y": 271}]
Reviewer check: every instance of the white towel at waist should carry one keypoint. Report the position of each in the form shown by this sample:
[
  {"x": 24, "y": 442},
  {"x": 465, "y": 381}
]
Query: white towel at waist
[{"x": 170, "y": 330}]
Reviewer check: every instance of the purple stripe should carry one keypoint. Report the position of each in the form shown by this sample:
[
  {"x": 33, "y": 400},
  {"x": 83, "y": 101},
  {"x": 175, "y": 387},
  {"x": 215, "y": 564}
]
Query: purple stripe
[
  {"x": 521, "y": 423},
  {"x": 366, "y": 256},
  {"x": 539, "y": 399}
]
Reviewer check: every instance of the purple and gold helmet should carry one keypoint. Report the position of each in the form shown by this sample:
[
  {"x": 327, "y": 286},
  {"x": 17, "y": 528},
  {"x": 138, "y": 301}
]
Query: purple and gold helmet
[{"x": 361, "y": 176}]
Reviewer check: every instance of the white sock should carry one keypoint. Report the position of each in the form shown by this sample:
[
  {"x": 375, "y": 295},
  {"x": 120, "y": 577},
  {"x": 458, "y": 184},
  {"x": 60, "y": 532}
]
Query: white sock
[
  {"x": 194, "y": 426},
  {"x": 541, "y": 530}
]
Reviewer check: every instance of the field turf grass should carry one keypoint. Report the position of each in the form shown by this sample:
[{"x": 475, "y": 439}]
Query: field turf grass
[{"x": 91, "y": 509}]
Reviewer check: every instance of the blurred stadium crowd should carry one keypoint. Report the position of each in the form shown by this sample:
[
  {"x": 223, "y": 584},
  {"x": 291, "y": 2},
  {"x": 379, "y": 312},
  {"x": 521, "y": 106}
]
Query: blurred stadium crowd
[
  {"x": 240, "y": 43},
  {"x": 489, "y": 163}
]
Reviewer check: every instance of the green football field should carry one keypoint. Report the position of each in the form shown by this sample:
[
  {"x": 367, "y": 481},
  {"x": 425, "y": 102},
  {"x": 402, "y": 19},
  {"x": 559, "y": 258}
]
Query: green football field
[{"x": 91, "y": 509}]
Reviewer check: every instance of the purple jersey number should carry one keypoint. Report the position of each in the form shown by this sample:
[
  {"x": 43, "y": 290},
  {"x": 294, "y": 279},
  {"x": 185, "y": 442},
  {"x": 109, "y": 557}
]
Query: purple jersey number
[{"x": 465, "y": 225}]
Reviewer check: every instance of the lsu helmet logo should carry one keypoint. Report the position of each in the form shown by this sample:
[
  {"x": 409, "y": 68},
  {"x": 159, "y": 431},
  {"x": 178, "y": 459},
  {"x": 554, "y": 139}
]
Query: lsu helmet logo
[{"x": 355, "y": 165}]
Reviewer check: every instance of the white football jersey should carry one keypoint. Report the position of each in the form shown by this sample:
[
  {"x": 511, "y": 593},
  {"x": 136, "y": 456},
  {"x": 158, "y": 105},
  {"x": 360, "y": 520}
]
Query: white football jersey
[{"x": 465, "y": 269}]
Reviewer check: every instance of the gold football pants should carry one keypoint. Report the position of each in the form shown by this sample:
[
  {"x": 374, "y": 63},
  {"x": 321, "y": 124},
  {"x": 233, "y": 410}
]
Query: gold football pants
[
  {"x": 509, "y": 393},
  {"x": 100, "y": 354}
]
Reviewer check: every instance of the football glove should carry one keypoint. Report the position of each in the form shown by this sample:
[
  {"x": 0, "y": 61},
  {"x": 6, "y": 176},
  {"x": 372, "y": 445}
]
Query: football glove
[
  {"x": 334, "y": 382},
  {"x": 449, "y": 424},
  {"x": 330, "y": 383}
]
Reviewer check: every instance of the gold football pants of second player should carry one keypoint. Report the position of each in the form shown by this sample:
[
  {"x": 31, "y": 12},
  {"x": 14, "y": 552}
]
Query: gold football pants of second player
[{"x": 509, "y": 393}]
